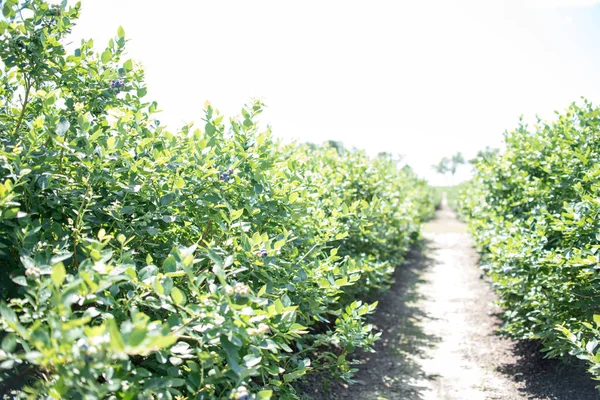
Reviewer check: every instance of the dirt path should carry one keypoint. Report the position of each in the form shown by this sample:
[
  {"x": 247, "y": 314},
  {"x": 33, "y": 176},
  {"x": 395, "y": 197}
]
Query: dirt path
[{"x": 439, "y": 336}]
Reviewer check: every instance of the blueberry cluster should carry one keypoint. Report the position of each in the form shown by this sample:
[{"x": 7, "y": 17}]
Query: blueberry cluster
[
  {"x": 262, "y": 329},
  {"x": 33, "y": 271},
  {"x": 225, "y": 176},
  {"x": 85, "y": 350},
  {"x": 239, "y": 289},
  {"x": 117, "y": 84},
  {"x": 262, "y": 253}
]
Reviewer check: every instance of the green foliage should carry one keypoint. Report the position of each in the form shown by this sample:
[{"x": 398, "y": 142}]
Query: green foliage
[
  {"x": 208, "y": 263},
  {"x": 534, "y": 212}
]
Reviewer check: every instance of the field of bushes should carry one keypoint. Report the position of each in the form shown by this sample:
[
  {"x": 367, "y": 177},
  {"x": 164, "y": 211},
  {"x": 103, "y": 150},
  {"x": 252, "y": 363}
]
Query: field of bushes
[
  {"x": 141, "y": 263},
  {"x": 534, "y": 211}
]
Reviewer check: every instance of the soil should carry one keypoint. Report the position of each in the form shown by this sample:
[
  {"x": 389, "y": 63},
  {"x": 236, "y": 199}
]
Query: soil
[{"x": 440, "y": 336}]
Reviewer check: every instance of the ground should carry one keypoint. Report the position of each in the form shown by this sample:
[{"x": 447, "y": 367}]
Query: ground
[{"x": 440, "y": 336}]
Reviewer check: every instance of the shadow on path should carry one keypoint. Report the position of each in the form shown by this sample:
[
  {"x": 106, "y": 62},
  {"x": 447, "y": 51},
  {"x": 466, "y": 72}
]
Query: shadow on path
[
  {"x": 542, "y": 378},
  {"x": 439, "y": 336},
  {"x": 392, "y": 372}
]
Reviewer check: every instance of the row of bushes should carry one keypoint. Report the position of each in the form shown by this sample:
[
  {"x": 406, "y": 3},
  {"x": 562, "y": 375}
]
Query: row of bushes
[
  {"x": 208, "y": 263},
  {"x": 534, "y": 211}
]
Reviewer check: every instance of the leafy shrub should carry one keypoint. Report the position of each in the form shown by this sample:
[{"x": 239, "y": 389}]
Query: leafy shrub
[
  {"x": 208, "y": 263},
  {"x": 534, "y": 212}
]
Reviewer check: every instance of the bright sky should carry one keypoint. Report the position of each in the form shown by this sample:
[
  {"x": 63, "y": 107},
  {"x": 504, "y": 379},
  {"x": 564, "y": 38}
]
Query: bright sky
[{"x": 421, "y": 78}]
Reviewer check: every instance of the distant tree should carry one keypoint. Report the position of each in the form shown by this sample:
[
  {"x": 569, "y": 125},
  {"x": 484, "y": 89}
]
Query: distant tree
[
  {"x": 395, "y": 158},
  {"x": 443, "y": 167},
  {"x": 449, "y": 165},
  {"x": 336, "y": 144},
  {"x": 456, "y": 160},
  {"x": 407, "y": 168}
]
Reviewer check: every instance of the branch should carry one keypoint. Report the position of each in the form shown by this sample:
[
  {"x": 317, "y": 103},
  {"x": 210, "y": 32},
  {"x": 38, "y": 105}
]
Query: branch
[{"x": 25, "y": 102}]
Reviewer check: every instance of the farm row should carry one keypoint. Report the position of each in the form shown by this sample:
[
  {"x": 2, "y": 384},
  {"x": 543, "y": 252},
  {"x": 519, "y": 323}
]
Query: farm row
[
  {"x": 534, "y": 211},
  {"x": 209, "y": 263}
]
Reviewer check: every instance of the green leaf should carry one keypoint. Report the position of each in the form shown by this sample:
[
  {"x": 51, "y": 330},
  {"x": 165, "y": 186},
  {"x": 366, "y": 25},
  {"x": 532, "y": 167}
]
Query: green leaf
[
  {"x": 121, "y": 32},
  {"x": 48, "y": 101},
  {"x": 116, "y": 340},
  {"x": 324, "y": 283},
  {"x": 158, "y": 287},
  {"x": 20, "y": 280},
  {"x": 236, "y": 214},
  {"x": 591, "y": 345},
  {"x": 9, "y": 343},
  {"x": 278, "y": 306},
  {"x": 175, "y": 382},
  {"x": 10, "y": 317},
  {"x": 262, "y": 291},
  {"x": 251, "y": 360},
  {"x": 170, "y": 264},
  {"x": 58, "y": 274},
  {"x": 7, "y": 364},
  {"x": 232, "y": 355},
  {"x": 178, "y": 296},
  {"x": 164, "y": 341},
  {"x": 264, "y": 395},
  {"x": 210, "y": 128},
  {"x": 136, "y": 337},
  {"x": 215, "y": 257},
  {"x": 106, "y": 56},
  {"x": 10, "y": 213}
]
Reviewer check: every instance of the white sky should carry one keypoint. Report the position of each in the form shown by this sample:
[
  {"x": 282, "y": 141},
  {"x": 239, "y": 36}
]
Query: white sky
[{"x": 424, "y": 79}]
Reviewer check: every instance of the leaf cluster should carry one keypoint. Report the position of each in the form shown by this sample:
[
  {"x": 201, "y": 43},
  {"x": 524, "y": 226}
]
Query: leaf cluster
[
  {"x": 534, "y": 210},
  {"x": 208, "y": 263}
]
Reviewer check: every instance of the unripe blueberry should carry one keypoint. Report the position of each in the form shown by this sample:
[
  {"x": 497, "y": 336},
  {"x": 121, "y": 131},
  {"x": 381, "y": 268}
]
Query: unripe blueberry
[
  {"x": 263, "y": 328},
  {"x": 241, "y": 393}
]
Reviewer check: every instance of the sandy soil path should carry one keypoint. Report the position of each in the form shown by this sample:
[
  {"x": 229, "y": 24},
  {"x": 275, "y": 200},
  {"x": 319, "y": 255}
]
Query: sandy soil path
[{"x": 439, "y": 336}]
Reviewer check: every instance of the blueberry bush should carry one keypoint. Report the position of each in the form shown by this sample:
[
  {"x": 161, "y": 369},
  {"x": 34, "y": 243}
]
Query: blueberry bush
[
  {"x": 534, "y": 210},
  {"x": 139, "y": 263}
]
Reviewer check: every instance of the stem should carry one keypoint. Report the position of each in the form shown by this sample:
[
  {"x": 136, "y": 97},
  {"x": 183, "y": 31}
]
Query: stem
[
  {"x": 25, "y": 102},
  {"x": 206, "y": 231},
  {"x": 79, "y": 225},
  {"x": 60, "y": 159},
  {"x": 309, "y": 251}
]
